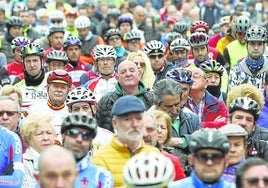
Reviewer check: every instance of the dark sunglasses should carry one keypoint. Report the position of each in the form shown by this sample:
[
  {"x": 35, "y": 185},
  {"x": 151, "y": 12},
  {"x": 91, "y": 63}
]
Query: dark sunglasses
[
  {"x": 204, "y": 157},
  {"x": 74, "y": 134},
  {"x": 56, "y": 21},
  {"x": 254, "y": 181},
  {"x": 154, "y": 56},
  {"x": 8, "y": 113}
]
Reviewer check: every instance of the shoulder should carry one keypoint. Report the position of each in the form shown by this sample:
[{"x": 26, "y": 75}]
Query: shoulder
[{"x": 186, "y": 182}]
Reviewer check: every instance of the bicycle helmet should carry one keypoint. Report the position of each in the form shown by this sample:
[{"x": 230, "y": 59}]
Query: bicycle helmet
[
  {"x": 171, "y": 36},
  {"x": 180, "y": 27},
  {"x": 179, "y": 44},
  {"x": 111, "y": 32},
  {"x": 180, "y": 76},
  {"x": 256, "y": 33},
  {"x": 80, "y": 94},
  {"x": 233, "y": 130},
  {"x": 242, "y": 24},
  {"x": 57, "y": 55},
  {"x": 212, "y": 66},
  {"x": 199, "y": 24},
  {"x": 80, "y": 120},
  {"x": 208, "y": 138},
  {"x": 172, "y": 19},
  {"x": 102, "y": 50},
  {"x": 71, "y": 41},
  {"x": 82, "y": 22},
  {"x": 154, "y": 46},
  {"x": 20, "y": 7},
  {"x": 246, "y": 104},
  {"x": 57, "y": 15},
  {"x": 32, "y": 49},
  {"x": 198, "y": 39},
  {"x": 55, "y": 28},
  {"x": 224, "y": 20},
  {"x": 72, "y": 12},
  {"x": 124, "y": 19},
  {"x": 13, "y": 21},
  {"x": 19, "y": 42},
  {"x": 132, "y": 35},
  {"x": 148, "y": 169},
  {"x": 59, "y": 76}
]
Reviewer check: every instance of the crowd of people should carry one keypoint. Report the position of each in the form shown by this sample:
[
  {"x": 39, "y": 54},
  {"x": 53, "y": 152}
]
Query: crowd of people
[{"x": 102, "y": 94}]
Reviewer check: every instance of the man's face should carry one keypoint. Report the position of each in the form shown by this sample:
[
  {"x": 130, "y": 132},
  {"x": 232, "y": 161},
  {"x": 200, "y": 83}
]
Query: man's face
[
  {"x": 200, "y": 52},
  {"x": 150, "y": 132},
  {"x": 70, "y": 20},
  {"x": 15, "y": 31},
  {"x": 139, "y": 17},
  {"x": 43, "y": 138},
  {"x": 73, "y": 53},
  {"x": 208, "y": 170},
  {"x": 105, "y": 65},
  {"x": 244, "y": 119},
  {"x": 129, "y": 127},
  {"x": 17, "y": 56},
  {"x": 237, "y": 149},
  {"x": 185, "y": 93},
  {"x": 83, "y": 107},
  {"x": 56, "y": 40},
  {"x": 33, "y": 65},
  {"x": 199, "y": 78},
  {"x": 255, "y": 49},
  {"x": 171, "y": 104},
  {"x": 254, "y": 177},
  {"x": 25, "y": 18},
  {"x": 57, "y": 93},
  {"x": 76, "y": 143},
  {"x": 58, "y": 172},
  {"x": 11, "y": 117},
  {"x": 179, "y": 54},
  {"x": 82, "y": 32},
  {"x": 55, "y": 65},
  {"x": 241, "y": 37},
  {"x": 128, "y": 74},
  {"x": 133, "y": 45},
  {"x": 115, "y": 41},
  {"x": 213, "y": 78},
  {"x": 157, "y": 60}
]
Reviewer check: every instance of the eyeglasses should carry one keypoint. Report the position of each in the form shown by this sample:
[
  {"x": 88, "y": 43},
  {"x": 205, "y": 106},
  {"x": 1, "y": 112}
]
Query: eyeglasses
[
  {"x": 56, "y": 21},
  {"x": 254, "y": 181},
  {"x": 140, "y": 64},
  {"x": 74, "y": 134},
  {"x": 8, "y": 113},
  {"x": 204, "y": 157},
  {"x": 154, "y": 56},
  {"x": 112, "y": 39}
]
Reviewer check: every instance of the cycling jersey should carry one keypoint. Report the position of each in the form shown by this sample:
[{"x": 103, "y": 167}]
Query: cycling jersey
[
  {"x": 10, "y": 151},
  {"x": 91, "y": 176},
  {"x": 76, "y": 72}
]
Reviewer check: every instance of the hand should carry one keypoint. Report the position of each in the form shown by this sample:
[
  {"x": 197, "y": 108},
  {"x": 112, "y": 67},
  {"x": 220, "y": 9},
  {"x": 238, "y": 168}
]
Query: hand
[{"x": 220, "y": 118}]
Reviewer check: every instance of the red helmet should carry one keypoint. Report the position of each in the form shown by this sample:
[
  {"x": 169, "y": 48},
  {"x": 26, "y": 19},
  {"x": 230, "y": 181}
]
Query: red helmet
[
  {"x": 199, "y": 24},
  {"x": 60, "y": 76},
  {"x": 172, "y": 19}
]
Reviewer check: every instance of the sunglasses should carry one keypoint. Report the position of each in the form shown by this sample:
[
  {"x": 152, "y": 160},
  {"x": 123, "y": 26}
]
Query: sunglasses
[
  {"x": 56, "y": 21},
  {"x": 154, "y": 56},
  {"x": 254, "y": 181},
  {"x": 204, "y": 157},
  {"x": 140, "y": 64},
  {"x": 8, "y": 113},
  {"x": 74, "y": 134}
]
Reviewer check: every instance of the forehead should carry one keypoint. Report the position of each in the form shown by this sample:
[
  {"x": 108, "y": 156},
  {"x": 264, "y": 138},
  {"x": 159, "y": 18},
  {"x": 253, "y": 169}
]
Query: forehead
[
  {"x": 31, "y": 57},
  {"x": 127, "y": 65},
  {"x": 149, "y": 120},
  {"x": 242, "y": 113},
  {"x": 7, "y": 104},
  {"x": 196, "y": 71},
  {"x": 171, "y": 98},
  {"x": 261, "y": 169},
  {"x": 78, "y": 104}
]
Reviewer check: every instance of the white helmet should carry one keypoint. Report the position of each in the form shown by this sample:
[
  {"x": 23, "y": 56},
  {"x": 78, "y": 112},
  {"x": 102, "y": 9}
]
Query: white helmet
[
  {"x": 154, "y": 46},
  {"x": 80, "y": 94},
  {"x": 81, "y": 22},
  {"x": 57, "y": 15},
  {"x": 102, "y": 50},
  {"x": 148, "y": 169}
]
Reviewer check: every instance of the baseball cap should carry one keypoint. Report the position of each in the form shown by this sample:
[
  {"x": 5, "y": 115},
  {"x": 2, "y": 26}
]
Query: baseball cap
[{"x": 127, "y": 104}]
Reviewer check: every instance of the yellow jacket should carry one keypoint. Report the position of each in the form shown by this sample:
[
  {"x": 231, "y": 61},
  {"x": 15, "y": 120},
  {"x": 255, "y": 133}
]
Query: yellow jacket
[{"x": 114, "y": 156}]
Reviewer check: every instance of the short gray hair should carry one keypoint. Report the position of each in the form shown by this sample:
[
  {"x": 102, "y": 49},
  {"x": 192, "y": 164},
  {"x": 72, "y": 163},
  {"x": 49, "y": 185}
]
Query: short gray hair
[{"x": 166, "y": 87}]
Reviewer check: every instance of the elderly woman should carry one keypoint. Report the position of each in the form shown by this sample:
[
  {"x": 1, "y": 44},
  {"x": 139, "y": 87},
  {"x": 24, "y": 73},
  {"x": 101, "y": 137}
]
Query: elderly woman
[
  {"x": 144, "y": 65},
  {"x": 38, "y": 133},
  {"x": 164, "y": 133}
]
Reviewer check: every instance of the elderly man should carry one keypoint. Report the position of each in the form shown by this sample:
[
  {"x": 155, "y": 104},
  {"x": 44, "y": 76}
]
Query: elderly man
[
  {"x": 128, "y": 84},
  {"x": 128, "y": 123}
]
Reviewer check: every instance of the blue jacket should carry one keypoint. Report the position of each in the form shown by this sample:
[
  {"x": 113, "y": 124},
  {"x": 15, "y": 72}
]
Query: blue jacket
[
  {"x": 263, "y": 118},
  {"x": 91, "y": 176},
  {"x": 194, "y": 182}
]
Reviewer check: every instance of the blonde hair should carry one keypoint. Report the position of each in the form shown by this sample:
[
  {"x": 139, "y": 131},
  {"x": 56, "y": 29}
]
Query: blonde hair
[
  {"x": 32, "y": 124},
  {"x": 245, "y": 90},
  {"x": 7, "y": 90},
  {"x": 159, "y": 114},
  {"x": 148, "y": 76}
]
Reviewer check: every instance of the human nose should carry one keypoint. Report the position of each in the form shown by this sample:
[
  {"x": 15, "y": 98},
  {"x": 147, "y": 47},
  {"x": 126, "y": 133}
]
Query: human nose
[{"x": 60, "y": 182}]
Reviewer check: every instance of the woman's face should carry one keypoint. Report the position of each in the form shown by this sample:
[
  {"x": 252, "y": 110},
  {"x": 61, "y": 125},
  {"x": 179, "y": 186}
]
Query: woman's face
[
  {"x": 162, "y": 131},
  {"x": 237, "y": 149},
  {"x": 43, "y": 137}
]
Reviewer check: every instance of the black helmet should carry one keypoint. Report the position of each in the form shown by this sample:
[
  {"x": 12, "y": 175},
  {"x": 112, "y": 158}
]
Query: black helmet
[
  {"x": 212, "y": 66},
  {"x": 246, "y": 104},
  {"x": 171, "y": 36},
  {"x": 180, "y": 75},
  {"x": 80, "y": 120},
  {"x": 209, "y": 139},
  {"x": 13, "y": 21}
]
